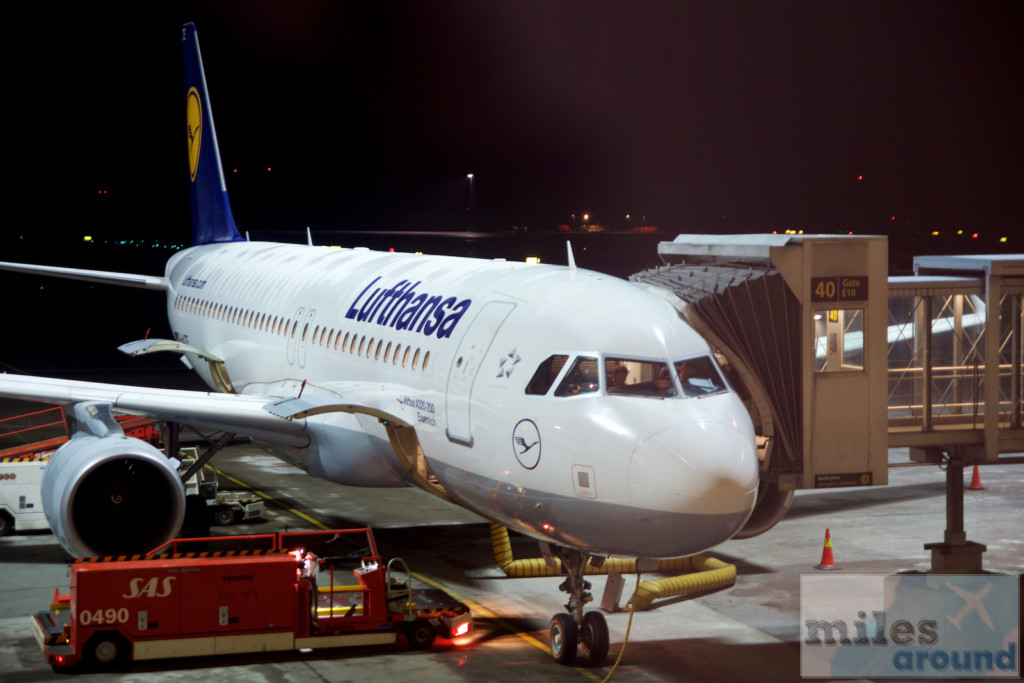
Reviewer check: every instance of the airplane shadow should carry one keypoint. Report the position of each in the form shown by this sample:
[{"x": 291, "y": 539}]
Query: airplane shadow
[{"x": 856, "y": 499}]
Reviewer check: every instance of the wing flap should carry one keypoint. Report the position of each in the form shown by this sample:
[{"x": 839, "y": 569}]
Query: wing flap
[{"x": 296, "y": 408}]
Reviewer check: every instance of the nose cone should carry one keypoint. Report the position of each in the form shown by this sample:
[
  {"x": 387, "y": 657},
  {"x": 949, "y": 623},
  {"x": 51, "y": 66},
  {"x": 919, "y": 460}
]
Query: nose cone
[{"x": 706, "y": 471}]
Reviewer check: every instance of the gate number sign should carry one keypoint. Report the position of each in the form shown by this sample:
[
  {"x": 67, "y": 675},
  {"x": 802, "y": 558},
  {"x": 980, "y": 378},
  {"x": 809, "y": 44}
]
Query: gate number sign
[{"x": 842, "y": 288}]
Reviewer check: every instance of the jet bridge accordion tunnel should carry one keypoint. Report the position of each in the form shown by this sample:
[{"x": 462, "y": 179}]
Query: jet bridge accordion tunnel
[{"x": 799, "y": 324}]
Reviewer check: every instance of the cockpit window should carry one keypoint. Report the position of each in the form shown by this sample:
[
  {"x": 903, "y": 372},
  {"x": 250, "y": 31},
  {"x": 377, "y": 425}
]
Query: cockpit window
[
  {"x": 629, "y": 377},
  {"x": 545, "y": 375},
  {"x": 699, "y": 376},
  {"x": 582, "y": 378}
]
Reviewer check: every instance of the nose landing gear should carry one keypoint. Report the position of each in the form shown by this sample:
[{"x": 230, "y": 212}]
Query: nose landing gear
[{"x": 588, "y": 632}]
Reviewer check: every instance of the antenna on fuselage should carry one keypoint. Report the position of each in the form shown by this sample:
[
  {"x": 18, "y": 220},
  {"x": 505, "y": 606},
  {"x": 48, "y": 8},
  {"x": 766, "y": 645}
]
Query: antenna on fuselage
[
  {"x": 572, "y": 259},
  {"x": 309, "y": 237}
]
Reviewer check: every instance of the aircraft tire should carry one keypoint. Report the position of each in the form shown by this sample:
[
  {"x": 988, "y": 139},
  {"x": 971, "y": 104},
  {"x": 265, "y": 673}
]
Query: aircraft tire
[
  {"x": 594, "y": 637},
  {"x": 563, "y": 636}
]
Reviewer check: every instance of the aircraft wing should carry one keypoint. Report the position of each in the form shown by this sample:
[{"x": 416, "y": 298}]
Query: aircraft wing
[
  {"x": 229, "y": 412},
  {"x": 101, "y": 276}
]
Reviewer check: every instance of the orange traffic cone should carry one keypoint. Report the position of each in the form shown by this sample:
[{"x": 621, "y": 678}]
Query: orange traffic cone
[
  {"x": 827, "y": 561},
  {"x": 976, "y": 480}
]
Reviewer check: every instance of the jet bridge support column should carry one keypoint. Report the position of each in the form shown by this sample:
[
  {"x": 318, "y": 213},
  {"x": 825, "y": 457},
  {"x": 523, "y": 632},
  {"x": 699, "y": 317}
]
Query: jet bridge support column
[{"x": 955, "y": 555}]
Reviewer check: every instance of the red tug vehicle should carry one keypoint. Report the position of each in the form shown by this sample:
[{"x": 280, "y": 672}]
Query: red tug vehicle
[{"x": 260, "y": 593}]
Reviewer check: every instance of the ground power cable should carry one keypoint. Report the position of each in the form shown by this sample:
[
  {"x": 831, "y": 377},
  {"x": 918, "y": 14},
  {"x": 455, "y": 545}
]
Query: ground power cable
[{"x": 625, "y": 639}]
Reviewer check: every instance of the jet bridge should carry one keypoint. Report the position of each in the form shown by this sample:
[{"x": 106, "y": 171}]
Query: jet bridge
[{"x": 837, "y": 362}]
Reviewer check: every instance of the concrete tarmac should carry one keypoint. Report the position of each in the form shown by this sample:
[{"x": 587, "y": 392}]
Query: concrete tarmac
[{"x": 750, "y": 631}]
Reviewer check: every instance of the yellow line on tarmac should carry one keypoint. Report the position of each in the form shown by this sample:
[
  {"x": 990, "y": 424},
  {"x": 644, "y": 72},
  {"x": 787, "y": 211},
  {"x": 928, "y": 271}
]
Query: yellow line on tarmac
[{"x": 480, "y": 609}]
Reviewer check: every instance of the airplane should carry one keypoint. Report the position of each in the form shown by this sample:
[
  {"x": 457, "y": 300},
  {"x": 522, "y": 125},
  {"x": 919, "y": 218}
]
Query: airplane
[
  {"x": 973, "y": 602},
  {"x": 485, "y": 382}
]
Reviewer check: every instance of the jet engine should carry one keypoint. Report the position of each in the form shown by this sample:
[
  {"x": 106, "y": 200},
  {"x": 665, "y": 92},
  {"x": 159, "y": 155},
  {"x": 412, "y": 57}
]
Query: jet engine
[
  {"x": 105, "y": 493},
  {"x": 771, "y": 506}
]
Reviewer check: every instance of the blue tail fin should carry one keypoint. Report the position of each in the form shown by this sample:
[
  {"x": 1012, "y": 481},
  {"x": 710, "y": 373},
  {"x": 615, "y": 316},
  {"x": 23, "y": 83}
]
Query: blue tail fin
[{"x": 211, "y": 212}]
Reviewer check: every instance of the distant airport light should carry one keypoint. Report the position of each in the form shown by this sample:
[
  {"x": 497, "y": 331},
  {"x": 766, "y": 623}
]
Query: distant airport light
[
  {"x": 860, "y": 177},
  {"x": 533, "y": 259},
  {"x": 935, "y": 233},
  {"x": 87, "y": 238},
  {"x": 1002, "y": 240},
  {"x": 974, "y": 236}
]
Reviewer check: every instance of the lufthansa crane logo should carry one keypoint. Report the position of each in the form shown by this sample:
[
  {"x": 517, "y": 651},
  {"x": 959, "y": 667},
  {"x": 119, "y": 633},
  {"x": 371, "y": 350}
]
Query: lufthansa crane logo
[
  {"x": 194, "y": 118},
  {"x": 526, "y": 443}
]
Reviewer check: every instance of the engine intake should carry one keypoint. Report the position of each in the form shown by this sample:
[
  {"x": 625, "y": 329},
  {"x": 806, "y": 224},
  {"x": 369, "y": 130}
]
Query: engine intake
[{"x": 105, "y": 493}]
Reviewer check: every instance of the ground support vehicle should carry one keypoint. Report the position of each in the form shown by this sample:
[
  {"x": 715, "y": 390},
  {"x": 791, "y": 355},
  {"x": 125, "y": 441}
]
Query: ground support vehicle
[
  {"x": 224, "y": 507},
  {"x": 260, "y": 593}
]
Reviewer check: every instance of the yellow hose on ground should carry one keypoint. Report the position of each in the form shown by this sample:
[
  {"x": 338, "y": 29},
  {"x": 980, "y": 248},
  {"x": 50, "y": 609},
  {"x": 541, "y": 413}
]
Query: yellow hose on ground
[{"x": 709, "y": 573}]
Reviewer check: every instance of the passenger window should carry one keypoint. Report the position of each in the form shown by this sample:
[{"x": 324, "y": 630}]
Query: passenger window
[
  {"x": 699, "y": 376},
  {"x": 545, "y": 376},
  {"x": 630, "y": 377},
  {"x": 581, "y": 379}
]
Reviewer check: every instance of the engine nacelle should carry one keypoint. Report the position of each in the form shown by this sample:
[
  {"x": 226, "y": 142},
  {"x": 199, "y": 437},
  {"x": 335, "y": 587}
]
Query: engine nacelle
[
  {"x": 111, "y": 494},
  {"x": 771, "y": 506}
]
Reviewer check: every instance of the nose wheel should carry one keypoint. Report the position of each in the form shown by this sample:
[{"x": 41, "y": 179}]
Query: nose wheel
[{"x": 577, "y": 630}]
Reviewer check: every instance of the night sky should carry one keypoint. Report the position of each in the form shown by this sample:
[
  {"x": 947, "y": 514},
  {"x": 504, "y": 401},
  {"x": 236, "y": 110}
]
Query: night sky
[{"x": 696, "y": 117}]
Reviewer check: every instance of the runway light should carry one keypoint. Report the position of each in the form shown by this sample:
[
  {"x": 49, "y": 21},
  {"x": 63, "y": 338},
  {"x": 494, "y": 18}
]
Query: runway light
[{"x": 533, "y": 259}]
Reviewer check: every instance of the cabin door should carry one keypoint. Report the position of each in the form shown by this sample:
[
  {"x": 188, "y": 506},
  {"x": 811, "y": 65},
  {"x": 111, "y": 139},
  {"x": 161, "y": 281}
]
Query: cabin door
[{"x": 468, "y": 359}]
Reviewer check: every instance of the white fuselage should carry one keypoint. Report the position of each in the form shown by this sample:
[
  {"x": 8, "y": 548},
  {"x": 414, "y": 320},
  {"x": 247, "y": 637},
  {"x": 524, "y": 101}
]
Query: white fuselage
[{"x": 454, "y": 346}]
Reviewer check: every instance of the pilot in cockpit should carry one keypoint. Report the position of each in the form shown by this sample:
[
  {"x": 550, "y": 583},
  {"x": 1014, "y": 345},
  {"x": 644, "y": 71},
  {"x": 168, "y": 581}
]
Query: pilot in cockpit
[{"x": 694, "y": 381}]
